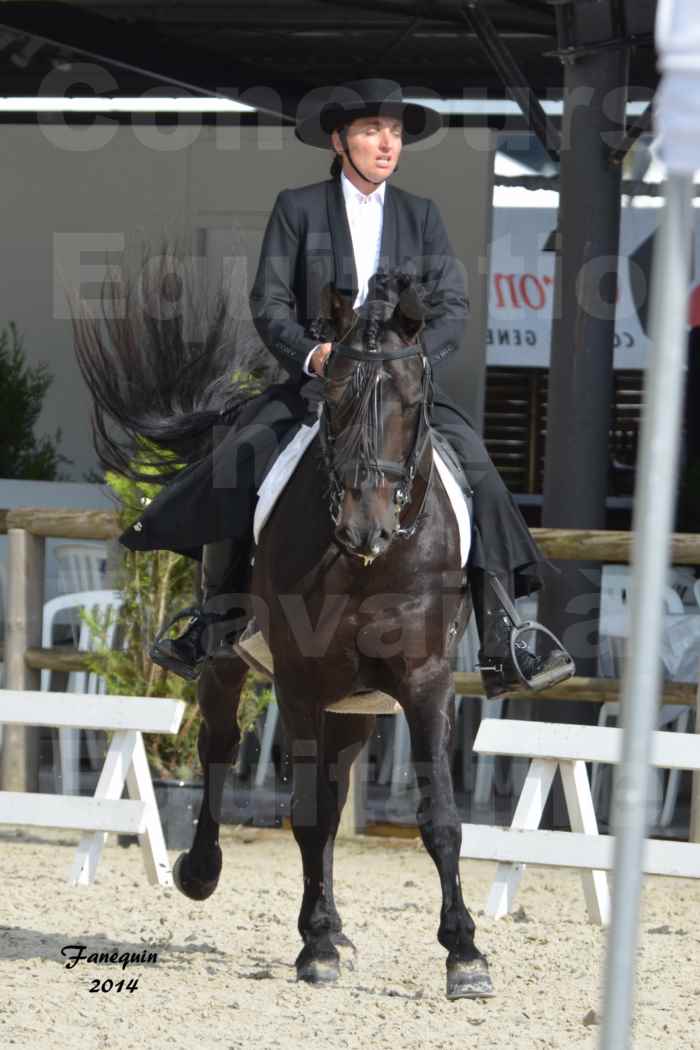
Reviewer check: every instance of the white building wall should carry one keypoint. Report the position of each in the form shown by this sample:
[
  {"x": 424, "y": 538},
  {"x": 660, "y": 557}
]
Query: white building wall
[{"x": 77, "y": 194}]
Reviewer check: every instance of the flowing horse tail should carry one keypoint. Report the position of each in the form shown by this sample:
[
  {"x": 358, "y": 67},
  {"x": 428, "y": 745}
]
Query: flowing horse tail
[{"x": 165, "y": 364}]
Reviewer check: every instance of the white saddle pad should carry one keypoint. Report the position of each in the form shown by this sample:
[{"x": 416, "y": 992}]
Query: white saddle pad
[{"x": 288, "y": 460}]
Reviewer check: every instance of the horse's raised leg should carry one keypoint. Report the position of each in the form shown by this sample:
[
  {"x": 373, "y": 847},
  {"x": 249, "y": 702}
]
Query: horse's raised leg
[
  {"x": 196, "y": 873},
  {"x": 322, "y": 762},
  {"x": 426, "y": 699}
]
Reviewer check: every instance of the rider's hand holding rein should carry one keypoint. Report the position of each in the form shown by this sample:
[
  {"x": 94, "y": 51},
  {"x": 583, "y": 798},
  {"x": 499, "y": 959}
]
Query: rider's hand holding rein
[{"x": 317, "y": 363}]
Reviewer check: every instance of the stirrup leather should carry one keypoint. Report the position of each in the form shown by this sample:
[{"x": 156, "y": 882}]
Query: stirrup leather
[{"x": 558, "y": 663}]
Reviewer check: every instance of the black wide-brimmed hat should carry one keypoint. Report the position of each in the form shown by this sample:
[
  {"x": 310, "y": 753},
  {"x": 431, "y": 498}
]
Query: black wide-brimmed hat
[{"x": 322, "y": 111}]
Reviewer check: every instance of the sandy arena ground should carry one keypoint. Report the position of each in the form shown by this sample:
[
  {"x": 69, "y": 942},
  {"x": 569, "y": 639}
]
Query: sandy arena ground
[{"x": 225, "y": 976}]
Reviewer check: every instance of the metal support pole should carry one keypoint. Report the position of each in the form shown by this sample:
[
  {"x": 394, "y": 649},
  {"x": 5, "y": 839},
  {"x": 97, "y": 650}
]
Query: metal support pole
[
  {"x": 653, "y": 521},
  {"x": 581, "y": 367}
]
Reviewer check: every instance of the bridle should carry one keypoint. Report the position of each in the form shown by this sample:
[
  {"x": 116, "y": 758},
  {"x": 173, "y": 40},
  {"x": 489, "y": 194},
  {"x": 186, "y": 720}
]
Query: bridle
[{"x": 404, "y": 473}]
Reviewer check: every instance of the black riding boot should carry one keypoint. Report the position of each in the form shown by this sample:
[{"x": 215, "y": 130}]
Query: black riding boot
[
  {"x": 495, "y": 625},
  {"x": 225, "y": 574}
]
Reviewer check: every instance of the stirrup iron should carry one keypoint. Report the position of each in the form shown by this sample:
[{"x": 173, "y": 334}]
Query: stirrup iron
[
  {"x": 190, "y": 613},
  {"x": 559, "y": 664}
]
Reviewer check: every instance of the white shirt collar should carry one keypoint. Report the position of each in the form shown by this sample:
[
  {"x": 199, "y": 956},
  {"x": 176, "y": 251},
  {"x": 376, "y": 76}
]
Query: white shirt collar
[{"x": 351, "y": 192}]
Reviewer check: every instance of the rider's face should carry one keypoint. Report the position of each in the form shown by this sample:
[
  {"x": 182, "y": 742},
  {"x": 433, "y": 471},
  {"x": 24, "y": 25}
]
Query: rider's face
[{"x": 375, "y": 145}]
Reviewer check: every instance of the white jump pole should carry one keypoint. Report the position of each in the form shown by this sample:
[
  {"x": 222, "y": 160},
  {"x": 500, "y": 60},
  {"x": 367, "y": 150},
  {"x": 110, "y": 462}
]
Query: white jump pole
[{"x": 657, "y": 469}]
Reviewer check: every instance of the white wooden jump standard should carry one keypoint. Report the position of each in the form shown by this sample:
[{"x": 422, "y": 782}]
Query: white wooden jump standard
[
  {"x": 125, "y": 765},
  {"x": 568, "y": 748}
]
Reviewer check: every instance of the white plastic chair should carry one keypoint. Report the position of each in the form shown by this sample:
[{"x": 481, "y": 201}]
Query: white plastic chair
[
  {"x": 615, "y": 593},
  {"x": 682, "y": 579},
  {"x": 81, "y": 566},
  {"x": 100, "y": 603}
]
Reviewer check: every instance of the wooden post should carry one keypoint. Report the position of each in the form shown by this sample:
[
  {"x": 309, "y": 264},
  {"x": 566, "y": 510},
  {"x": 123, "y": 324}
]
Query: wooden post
[
  {"x": 20, "y": 745},
  {"x": 695, "y": 784}
]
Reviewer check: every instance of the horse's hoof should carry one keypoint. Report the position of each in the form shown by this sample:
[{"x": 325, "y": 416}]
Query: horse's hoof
[
  {"x": 317, "y": 970},
  {"x": 195, "y": 888},
  {"x": 469, "y": 980},
  {"x": 346, "y": 949}
]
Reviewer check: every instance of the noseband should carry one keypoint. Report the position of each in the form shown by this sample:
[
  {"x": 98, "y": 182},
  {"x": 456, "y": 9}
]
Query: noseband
[{"x": 404, "y": 473}]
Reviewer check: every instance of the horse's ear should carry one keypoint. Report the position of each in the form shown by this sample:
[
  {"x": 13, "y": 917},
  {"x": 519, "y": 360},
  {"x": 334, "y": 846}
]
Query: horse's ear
[
  {"x": 338, "y": 309},
  {"x": 410, "y": 312}
]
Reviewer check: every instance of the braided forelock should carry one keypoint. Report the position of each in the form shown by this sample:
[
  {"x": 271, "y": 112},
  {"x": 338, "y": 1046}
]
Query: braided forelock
[{"x": 358, "y": 442}]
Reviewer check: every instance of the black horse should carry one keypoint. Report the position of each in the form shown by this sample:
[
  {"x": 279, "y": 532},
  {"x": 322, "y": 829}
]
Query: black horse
[{"x": 357, "y": 585}]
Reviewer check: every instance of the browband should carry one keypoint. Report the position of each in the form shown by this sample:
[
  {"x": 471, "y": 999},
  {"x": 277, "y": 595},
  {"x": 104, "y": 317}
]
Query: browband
[{"x": 376, "y": 355}]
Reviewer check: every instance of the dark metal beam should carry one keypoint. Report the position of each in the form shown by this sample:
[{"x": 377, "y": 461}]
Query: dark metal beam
[
  {"x": 628, "y": 187},
  {"x": 571, "y": 53},
  {"x": 472, "y": 13},
  {"x": 514, "y": 80},
  {"x": 136, "y": 49},
  {"x": 639, "y": 127},
  {"x": 292, "y": 46}
]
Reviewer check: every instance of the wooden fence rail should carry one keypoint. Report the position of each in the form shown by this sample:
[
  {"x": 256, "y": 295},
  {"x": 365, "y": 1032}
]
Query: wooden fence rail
[
  {"x": 467, "y": 684},
  {"x": 28, "y": 527},
  {"x": 604, "y": 545},
  {"x": 68, "y": 524}
]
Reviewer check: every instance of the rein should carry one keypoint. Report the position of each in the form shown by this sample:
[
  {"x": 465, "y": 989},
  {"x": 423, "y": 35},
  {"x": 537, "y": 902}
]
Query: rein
[
  {"x": 404, "y": 473},
  {"x": 376, "y": 355}
]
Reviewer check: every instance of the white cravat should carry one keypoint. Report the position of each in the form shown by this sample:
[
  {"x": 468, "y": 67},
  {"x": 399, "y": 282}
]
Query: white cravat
[{"x": 365, "y": 218}]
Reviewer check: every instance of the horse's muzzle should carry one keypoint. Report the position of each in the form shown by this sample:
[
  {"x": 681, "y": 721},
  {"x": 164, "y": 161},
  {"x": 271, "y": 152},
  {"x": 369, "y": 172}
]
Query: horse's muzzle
[{"x": 366, "y": 543}]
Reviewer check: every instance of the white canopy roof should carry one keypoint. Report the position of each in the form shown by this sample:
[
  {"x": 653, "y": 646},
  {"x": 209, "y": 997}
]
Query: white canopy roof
[{"x": 677, "y": 109}]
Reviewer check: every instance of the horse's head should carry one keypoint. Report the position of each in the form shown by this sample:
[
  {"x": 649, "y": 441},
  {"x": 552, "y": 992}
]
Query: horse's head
[{"x": 374, "y": 428}]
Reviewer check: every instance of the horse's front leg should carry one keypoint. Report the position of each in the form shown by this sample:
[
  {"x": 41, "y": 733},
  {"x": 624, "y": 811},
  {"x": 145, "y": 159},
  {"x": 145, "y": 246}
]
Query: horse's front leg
[
  {"x": 312, "y": 809},
  {"x": 426, "y": 696},
  {"x": 344, "y": 738},
  {"x": 196, "y": 873},
  {"x": 321, "y": 761}
]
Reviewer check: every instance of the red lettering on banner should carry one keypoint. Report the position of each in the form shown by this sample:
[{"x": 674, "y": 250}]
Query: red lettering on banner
[
  {"x": 509, "y": 279},
  {"x": 694, "y": 308},
  {"x": 527, "y": 281},
  {"x": 515, "y": 291}
]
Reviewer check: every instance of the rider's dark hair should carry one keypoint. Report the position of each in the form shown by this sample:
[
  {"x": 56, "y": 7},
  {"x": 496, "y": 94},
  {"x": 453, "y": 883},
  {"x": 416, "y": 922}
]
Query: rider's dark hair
[{"x": 337, "y": 165}]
